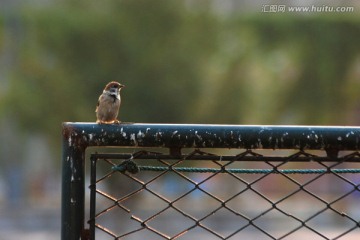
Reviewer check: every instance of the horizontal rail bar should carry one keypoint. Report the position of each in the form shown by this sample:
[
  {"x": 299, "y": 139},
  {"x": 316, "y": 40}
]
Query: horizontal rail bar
[
  {"x": 83, "y": 135},
  {"x": 228, "y": 158}
]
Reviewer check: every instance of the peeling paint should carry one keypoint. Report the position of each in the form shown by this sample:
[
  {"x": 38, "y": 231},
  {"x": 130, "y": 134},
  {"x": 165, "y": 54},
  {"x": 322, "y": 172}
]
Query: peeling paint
[
  {"x": 73, "y": 171},
  {"x": 91, "y": 136},
  {"x": 133, "y": 138},
  {"x": 276, "y": 143},
  {"x": 231, "y": 134},
  {"x": 140, "y": 134},
  {"x": 198, "y": 136},
  {"x": 350, "y": 133},
  {"x": 158, "y": 136}
]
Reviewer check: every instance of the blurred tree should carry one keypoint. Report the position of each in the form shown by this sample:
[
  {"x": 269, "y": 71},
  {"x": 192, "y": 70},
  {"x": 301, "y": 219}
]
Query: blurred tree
[
  {"x": 325, "y": 49},
  {"x": 157, "y": 48},
  {"x": 181, "y": 63},
  {"x": 286, "y": 70}
]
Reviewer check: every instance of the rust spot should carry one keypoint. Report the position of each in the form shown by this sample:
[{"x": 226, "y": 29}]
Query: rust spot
[
  {"x": 85, "y": 234},
  {"x": 67, "y": 130},
  {"x": 73, "y": 138}
]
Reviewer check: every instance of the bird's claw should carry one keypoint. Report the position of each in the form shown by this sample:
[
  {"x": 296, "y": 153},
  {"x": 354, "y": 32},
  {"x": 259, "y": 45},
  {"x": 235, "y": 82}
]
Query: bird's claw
[{"x": 111, "y": 122}]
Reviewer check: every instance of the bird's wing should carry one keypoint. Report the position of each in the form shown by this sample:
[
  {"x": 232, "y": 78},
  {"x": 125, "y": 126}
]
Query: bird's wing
[{"x": 97, "y": 105}]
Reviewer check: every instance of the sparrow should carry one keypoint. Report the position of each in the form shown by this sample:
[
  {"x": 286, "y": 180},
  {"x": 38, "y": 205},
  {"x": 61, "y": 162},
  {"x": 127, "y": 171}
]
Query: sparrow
[{"x": 108, "y": 105}]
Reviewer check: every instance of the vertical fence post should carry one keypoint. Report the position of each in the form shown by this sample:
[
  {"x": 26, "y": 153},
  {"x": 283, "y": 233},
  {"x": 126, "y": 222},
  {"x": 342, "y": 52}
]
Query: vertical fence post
[
  {"x": 93, "y": 161},
  {"x": 73, "y": 184}
]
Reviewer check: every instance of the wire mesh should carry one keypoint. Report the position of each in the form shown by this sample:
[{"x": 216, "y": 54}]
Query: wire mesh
[{"x": 217, "y": 195}]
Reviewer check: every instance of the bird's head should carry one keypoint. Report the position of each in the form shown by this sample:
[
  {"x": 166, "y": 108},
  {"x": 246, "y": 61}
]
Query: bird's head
[{"x": 113, "y": 87}]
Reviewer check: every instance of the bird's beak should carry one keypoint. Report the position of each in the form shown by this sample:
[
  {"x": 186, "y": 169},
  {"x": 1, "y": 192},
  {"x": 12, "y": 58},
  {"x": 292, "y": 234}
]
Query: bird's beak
[{"x": 122, "y": 86}]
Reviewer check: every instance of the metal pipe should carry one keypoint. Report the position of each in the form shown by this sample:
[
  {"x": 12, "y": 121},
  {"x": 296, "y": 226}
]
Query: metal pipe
[
  {"x": 93, "y": 161},
  {"x": 212, "y": 136},
  {"x": 73, "y": 188}
]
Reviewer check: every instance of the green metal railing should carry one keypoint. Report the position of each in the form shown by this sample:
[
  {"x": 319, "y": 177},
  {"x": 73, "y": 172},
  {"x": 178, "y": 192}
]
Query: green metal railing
[{"x": 77, "y": 137}]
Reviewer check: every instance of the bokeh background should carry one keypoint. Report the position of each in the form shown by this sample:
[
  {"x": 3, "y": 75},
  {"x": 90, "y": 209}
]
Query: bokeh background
[{"x": 182, "y": 61}]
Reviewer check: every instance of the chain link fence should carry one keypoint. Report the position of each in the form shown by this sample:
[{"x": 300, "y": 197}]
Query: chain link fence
[
  {"x": 188, "y": 190},
  {"x": 209, "y": 196}
]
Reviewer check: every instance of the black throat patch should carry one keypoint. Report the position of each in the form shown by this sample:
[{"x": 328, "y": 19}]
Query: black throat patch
[{"x": 113, "y": 96}]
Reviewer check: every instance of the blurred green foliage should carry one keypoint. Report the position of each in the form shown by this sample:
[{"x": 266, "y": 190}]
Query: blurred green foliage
[{"x": 183, "y": 63}]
